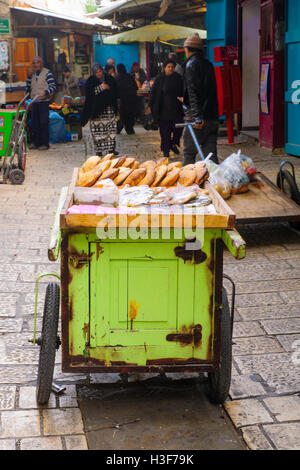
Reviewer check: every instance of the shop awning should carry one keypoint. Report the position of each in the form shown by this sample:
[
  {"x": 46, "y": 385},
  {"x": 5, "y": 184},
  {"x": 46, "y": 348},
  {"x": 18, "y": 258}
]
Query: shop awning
[
  {"x": 89, "y": 23},
  {"x": 156, "y": 31},
  {"x": 120, "y": 4}
]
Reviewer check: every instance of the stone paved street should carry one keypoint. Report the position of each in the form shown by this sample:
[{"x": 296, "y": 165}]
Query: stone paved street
[{"x": 264, "y": 402}]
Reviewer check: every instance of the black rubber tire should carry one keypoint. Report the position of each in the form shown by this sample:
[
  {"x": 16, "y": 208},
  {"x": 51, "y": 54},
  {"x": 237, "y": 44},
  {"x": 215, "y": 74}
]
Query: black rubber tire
[
  {"x": 219, "y": 381},
  {"x": 290, "y": 188},
  {"x": 48, "y": 344},
  {"x": 16, "y": 176}
]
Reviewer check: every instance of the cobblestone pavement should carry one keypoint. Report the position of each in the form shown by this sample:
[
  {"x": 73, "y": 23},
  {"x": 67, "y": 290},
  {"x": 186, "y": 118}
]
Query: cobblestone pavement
[{"x": 264, "y": 402}]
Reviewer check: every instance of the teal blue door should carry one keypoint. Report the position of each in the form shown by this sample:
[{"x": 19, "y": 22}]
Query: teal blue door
[{"x": 292, "y": 93}]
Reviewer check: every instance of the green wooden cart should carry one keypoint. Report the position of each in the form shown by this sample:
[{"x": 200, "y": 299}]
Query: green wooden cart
[{"x": 147, "y": 304}]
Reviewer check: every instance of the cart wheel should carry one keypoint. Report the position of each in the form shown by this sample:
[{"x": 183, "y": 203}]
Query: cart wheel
[
  {"x": 286, "y": 182},
  {"x": 16, "y": 176},
  {"x": 22, "y": 154},
  {"x": 49, "y": 342},
  {"x": 219, "y": 381}
]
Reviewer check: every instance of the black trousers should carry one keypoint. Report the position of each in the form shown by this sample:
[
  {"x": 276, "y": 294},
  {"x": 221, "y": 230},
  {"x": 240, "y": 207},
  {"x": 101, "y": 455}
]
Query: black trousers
[
  {"x": 127, "y": 120},
  {"x": 207, "y": 138},
  {"x": 169, "y": 134},
  {"x": 40, "y": 123}
]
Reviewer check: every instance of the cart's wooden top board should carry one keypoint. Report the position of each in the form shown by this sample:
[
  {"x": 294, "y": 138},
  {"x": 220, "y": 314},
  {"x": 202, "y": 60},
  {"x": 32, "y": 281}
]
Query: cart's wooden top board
[
  {"x": 264, "y": 202},
  {"x": 223, "y": 219}
]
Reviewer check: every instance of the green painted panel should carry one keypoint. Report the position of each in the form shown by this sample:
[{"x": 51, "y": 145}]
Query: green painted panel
[{"x": 134, "y": 300}]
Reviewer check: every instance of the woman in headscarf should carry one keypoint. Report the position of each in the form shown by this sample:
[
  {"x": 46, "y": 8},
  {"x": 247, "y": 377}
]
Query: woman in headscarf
[{"x": 100, "y": 110}]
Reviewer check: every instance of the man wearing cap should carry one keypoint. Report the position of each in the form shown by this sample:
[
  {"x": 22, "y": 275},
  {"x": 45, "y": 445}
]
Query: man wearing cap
[
  {"x": 201, "y": 101},
  {"x": 40, "y": 83}
]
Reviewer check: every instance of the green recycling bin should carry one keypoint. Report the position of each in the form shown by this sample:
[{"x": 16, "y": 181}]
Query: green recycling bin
[{"x": 7, "y": 118}]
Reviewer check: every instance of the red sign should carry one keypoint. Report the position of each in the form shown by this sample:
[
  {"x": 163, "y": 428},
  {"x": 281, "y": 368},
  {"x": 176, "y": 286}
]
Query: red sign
[{"x": 226, "y": 53}]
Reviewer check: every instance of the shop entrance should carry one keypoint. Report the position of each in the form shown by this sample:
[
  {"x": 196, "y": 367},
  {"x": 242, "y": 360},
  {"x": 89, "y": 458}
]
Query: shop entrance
[{"x": 250, "y": 66}]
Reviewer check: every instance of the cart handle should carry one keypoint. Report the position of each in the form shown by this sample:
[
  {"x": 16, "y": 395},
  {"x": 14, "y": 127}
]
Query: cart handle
[
  {"x": 234, "y": 243},
  {"x": 28, "y": 106},
  {"x": 190, "y": 127}
]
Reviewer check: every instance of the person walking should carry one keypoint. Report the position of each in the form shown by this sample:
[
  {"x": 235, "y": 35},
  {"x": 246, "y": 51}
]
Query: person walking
[
  {"x": 40, "y": 83},
  {"x": 166, "y": 108},
  {"x": 71, "y": 87},
  {"x": 127, "y": 89},
  {"x": 100, "y": 110},
  {"x": 140, "y": 77},
  {"x": 178, "y": 67},
  {"x": 110, "y": 70},
  {"x": 138, "y": 73},
  {"x": 110, "y": 61},
  {"x": 201, "y": 101}
]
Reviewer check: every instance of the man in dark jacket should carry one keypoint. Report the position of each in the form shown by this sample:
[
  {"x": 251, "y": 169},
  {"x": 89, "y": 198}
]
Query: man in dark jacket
[{"x": 201, "y": 101}]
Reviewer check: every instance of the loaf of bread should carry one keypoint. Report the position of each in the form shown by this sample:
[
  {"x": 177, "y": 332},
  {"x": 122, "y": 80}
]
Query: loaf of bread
[
  {"x": 187, "y": 176},
  {"x": 161, "y": 172},
  {"x": 111, "y": 173},
  {"x": 90, "y": 163},
  {"x": 201, "y": 174},
  {"x": 123, "y": 174},
  {"x": 109, "y": 156},
  {"x": 117, "y": 162},
  {"x": 162, "y": 161},
  {"x": 135, "y": 177},
  {"x": 191, "y": 166},
  {"x": 148, "y": 163},
  {"x": 104, "y": 165},
  {"x": 129, "y": 162},
  {"x": 149, "y": 176},
  {"x": 89, "y": 178},
  {"x": 171, "y": 177},
  {"x": 173, "y": 165},
  {"x": 135, "y": 165}
]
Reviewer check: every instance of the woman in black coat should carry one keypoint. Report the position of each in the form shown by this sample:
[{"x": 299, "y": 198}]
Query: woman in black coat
[
  {"x": 127, "y": 89},
  {"x": 100, "y": 110},
  {"x": 166, "y": 108}
]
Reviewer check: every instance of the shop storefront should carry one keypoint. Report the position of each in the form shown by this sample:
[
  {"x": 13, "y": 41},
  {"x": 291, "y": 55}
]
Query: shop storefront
[
  {"x": 59, "y": 38},
  {"x": 261, "y": 57}
]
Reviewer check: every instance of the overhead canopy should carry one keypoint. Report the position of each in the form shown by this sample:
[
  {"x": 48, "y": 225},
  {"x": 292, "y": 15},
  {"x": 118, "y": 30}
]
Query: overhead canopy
[
  {"x": 108, "y": 10},
  {"x": 147, "y": 10},
  {"x": 153, "y": 32},
  {"x": 93, "y": 24}
]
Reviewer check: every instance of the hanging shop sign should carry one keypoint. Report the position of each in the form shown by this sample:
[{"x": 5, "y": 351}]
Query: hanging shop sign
[{"x": 4, "y": 26}]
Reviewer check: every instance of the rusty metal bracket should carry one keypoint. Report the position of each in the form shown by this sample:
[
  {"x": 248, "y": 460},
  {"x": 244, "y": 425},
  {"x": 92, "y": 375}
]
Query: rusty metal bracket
[
  {"x": 76, "y": 260},
  {"x": 194, "y": 336}
]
